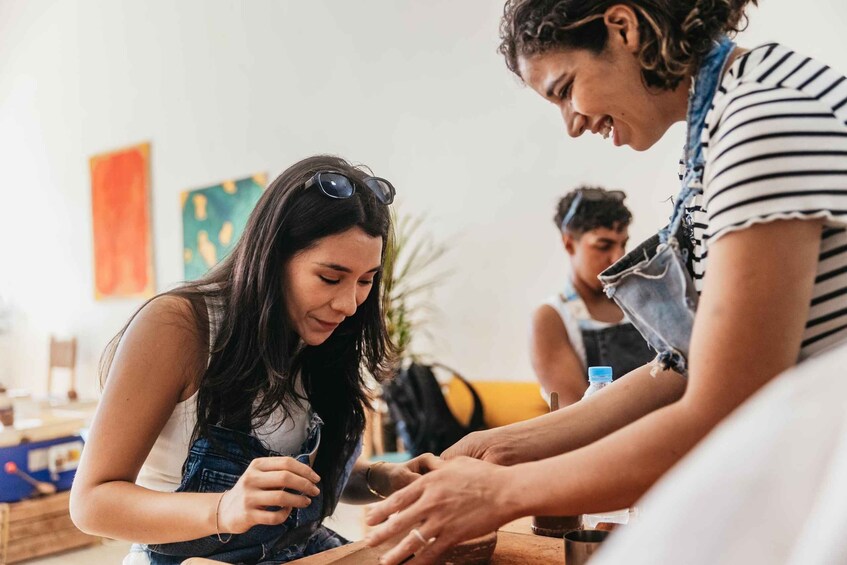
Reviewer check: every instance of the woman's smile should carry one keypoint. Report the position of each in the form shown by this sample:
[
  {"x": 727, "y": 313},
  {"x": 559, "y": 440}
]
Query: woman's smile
[{"x": 326, "y": 326}]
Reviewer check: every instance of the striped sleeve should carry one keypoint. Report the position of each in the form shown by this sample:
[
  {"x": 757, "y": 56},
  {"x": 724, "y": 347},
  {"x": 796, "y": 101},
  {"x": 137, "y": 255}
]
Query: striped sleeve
[{"x": 773, "y": 152}]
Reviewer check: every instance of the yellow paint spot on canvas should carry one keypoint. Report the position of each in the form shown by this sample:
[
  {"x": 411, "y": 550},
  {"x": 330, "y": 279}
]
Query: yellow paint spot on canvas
[
  {"x": 200, "y": 202},
  {"x": 206, "y": 249},
  {"x": 229, "y": 187},
  {"x": 187, "y": 255},
  {"x": 261, "y": 179},
  {"x": 183, "y": 198},
  {"x": 225, "y": 235}
]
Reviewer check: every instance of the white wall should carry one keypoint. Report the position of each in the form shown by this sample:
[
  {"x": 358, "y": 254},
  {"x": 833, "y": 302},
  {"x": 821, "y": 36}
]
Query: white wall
[{"x": 222, "y": 88}]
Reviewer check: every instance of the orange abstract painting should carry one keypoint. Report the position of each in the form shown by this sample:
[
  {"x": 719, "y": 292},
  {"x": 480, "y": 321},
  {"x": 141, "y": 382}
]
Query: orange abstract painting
[{"x": 123, "y": 250}]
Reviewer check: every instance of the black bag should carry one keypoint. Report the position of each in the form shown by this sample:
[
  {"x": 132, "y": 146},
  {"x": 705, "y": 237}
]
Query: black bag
[{"x": 424, "y": 420}]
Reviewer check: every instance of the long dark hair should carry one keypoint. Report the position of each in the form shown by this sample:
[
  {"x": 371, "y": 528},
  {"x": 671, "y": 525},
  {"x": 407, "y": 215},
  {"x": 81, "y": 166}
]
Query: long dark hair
[
  {"x": 256, "y": 354},
  {"x": 675, "y": 34}
]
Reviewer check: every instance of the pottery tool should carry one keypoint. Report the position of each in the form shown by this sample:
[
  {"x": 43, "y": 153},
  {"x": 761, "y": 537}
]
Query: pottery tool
[{"x": 41, "y": 487}]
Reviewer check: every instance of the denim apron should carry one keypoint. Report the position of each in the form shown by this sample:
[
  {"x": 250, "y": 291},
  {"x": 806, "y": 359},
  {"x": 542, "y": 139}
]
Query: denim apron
[
  {"x": 653, "y": 283},
  {"x": 215, "y": 466},
  {"x": 619, "y": 346}
]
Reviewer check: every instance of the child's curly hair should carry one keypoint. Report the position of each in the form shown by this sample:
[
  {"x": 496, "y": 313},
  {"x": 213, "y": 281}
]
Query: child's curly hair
[{"x": 605, "y": 213}]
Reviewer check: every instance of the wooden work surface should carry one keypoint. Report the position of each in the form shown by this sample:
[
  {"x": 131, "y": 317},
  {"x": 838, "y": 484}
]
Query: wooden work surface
[
  {"x": 512, "y": 549},
  {"x": 516, "y": 545}
]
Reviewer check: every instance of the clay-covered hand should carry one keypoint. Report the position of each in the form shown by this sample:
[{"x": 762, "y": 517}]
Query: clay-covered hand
[
  {"x": 282, "y": 483},
  {"x": 456, "y": 501}
]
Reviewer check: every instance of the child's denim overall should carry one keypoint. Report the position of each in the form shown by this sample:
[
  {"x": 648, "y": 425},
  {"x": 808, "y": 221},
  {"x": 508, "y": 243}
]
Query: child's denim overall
[
  {"x": 619, "y": 346},
  {"x": 653, "y": 283},
  {"x": 215, "y": 466}
]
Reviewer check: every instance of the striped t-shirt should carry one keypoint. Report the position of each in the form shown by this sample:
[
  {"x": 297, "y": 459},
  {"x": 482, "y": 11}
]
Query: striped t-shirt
[{"x": 775, "y": 145}]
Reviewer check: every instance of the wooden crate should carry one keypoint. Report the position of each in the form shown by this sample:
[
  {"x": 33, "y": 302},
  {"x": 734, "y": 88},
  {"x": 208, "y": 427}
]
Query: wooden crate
[{"x": 32, "y": 528}]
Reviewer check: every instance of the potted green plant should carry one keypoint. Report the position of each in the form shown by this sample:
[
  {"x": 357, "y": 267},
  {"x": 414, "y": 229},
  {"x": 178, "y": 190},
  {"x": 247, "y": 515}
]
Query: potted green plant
[{"x": 409, "y": 278}]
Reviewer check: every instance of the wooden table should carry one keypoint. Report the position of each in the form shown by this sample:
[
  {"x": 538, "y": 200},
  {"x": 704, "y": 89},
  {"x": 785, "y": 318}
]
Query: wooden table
[{"x": 516, "y": 545}]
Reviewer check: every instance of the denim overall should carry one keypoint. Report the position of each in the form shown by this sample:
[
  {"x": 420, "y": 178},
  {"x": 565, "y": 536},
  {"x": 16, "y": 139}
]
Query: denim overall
[
  {"x": 653, "y": 283},
  {"x": 619, "y": 346},
  {"x": 215, "y": 466}
]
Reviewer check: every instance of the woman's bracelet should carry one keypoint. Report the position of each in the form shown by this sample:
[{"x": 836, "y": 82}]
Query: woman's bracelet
[
  {"x": 368, "y": 479},
  {"x": 217, "y": 523}
]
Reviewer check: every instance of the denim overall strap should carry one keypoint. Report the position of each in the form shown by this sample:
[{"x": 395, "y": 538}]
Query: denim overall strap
[
  {"x": 215, "y": 464},
  {"x": 618, "y": 345},
  {"x": 702, "y": 92}
]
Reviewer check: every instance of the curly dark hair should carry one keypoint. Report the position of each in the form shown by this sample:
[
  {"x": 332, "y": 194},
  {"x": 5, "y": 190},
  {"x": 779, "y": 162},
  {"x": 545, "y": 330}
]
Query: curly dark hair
[
  {"x": 675, "y": 34},
  {"x": 592, "y": 214}
]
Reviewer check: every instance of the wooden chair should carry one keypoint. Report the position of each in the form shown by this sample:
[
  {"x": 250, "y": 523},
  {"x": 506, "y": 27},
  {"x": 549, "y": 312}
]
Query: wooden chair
[{"x": 62, "y": 356}]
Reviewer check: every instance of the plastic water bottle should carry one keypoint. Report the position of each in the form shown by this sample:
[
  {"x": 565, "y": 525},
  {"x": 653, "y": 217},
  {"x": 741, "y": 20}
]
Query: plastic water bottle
[{"x": 600, "y": 377}]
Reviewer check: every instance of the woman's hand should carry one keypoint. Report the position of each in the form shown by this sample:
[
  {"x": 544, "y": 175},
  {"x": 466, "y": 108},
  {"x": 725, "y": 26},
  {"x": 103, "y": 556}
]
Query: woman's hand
[
  {"x": 495, "y": 446},
  {"x": 423, "y": 464},
  {"x": 456, "y": 501},
  {"x": 388, "y": 478},
  {"x": 267, "y": 482}
]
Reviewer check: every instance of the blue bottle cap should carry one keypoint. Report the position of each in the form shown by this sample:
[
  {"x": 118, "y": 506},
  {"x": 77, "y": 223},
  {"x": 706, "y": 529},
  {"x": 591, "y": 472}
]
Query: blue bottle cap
[{"x": 599, "y": 374}]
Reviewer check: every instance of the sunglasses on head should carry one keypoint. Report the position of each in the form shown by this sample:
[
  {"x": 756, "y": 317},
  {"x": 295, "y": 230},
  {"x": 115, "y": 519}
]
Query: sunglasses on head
[
  {"x": 592, "y": 195},
  {"x": 338, "y": 185}
]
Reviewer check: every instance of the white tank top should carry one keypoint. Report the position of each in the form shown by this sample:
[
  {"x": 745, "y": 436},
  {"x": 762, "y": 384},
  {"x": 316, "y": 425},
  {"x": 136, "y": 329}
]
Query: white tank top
[{"x": 162, "y": 470}]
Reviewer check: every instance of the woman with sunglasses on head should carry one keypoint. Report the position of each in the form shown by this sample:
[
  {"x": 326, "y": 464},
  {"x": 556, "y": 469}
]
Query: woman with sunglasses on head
[
  {"x": 582, "y": 327},
  {"x": 232, "y": 414},
  {"x": 748, "y": 279}
]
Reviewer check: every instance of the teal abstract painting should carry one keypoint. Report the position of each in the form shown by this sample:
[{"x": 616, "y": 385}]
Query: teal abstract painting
[{"x": 213, "y": 219}]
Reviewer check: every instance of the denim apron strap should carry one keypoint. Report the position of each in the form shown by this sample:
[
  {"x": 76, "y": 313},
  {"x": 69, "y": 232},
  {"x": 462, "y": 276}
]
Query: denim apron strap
[
  {"x": 574, "y": 314},
  {"x": 652, "y": 284},
  {"x": 569, "y": 292},
  {"x": 703, "y": 88},
  {"x": 620, "y": 347}
]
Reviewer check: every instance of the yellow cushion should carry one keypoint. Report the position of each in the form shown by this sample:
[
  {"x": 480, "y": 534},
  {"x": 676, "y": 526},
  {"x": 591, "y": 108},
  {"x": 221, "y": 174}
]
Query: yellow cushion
[{"x": 505, "y": 402}]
